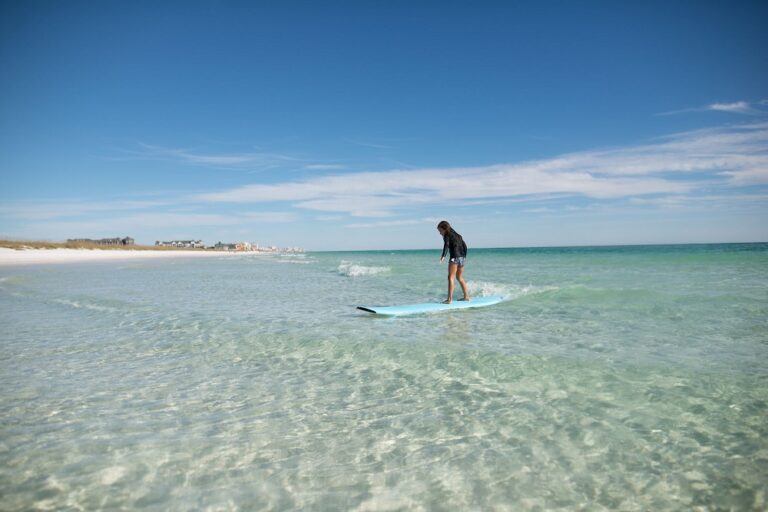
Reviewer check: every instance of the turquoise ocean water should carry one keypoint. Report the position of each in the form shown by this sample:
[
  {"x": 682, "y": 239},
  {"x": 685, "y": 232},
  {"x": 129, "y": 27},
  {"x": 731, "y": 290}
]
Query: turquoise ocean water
[{"x": 625, "y": 378}]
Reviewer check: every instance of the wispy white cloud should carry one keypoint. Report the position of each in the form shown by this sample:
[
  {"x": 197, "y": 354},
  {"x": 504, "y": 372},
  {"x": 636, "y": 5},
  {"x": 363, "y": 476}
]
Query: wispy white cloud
[
  {"x": 739, "y": 107},
  {"x": 131, "y": 223},
  {"x": 368, "y": 144},
  {"x": 43, "y": 210},
  {"x": 707, "y": 203},
  {"x": 187, "y": 222},
  {"x": 736, "y": 107},
  {"x": 720, "y": 167},
  {"x": 171, "y": 211},
  {"x": 270, "y": 217},
  {"x": 324, "y": 167},
  {"x": 389, "y": 223},
  {"x": 256, "y": 160},
  {"x": 677, "y": 164}
]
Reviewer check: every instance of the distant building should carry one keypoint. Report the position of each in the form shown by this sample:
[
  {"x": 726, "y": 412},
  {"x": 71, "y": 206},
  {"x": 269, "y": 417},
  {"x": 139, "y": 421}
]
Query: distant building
[
  {"x": 185, "y": 244},
  {"x": 273, "y": 248},
  {"x": 238, "y": 247},
  {"x": 225, "y": 247},
  {"x": 254, "y": 247},
  {"x": 103, "y": 241}
]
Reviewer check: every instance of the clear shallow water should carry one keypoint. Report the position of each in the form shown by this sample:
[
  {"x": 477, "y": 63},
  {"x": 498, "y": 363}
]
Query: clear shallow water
[{"x": 613, "y": 378}]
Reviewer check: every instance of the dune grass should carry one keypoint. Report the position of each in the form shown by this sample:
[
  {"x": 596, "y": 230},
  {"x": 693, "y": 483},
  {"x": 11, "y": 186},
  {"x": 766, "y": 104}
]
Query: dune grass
[{"x": 26, "y": 244}]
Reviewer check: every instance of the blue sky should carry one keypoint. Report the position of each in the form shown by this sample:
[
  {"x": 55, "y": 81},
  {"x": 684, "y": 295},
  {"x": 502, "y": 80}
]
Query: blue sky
[{"x": 360, "y": 125}]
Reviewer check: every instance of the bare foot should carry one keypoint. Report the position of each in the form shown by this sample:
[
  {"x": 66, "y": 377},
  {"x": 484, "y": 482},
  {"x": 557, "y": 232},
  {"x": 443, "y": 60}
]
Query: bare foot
[
  {"x": 465, "y": 299},
  {"x": 447, "y": 301}
]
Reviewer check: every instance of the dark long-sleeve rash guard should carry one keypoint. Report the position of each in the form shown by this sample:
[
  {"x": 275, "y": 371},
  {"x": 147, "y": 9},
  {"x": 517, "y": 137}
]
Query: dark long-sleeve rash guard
[{"x": 454, "y": 244}]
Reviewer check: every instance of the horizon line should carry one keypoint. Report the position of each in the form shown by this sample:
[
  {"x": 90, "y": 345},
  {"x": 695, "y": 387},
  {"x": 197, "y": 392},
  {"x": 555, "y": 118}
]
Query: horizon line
[
  {"x": 586, "y": 246},
  {"x": 436, "y": 248}
]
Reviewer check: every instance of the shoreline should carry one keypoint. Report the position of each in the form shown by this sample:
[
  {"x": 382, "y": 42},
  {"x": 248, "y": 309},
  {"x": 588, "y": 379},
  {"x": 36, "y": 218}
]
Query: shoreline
[{"x": 14, "y": 257}]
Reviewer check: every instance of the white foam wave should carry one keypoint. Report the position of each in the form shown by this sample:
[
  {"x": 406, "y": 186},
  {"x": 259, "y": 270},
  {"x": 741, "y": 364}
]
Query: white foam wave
[
  {"x": 349, "y": 269},
  {"x": 84, "y": 305},
  {"x": 297, "y": 261},
  {"x": 509, "y": 291}
]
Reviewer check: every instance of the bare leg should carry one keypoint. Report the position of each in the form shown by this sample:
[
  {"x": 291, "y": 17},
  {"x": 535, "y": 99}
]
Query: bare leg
[
  {"x": 460, "y": 277},
  {"x": 451, "y": 276}
]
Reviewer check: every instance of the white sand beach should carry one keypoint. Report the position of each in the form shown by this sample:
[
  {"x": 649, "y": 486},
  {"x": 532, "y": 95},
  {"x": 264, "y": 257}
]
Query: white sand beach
[{"x": 48, "y": 256}]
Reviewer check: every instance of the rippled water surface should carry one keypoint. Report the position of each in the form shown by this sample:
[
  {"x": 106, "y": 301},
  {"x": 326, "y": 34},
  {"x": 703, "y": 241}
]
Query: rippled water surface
[{"x": 611, "y": 378}]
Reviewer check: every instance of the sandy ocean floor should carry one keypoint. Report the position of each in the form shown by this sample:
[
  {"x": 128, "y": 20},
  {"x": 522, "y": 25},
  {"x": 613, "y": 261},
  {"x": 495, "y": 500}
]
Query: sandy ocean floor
[{"x": 612, "y": 378}]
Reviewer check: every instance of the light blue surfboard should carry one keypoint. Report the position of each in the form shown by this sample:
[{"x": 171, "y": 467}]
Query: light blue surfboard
[{"x": 432, "y": 307}]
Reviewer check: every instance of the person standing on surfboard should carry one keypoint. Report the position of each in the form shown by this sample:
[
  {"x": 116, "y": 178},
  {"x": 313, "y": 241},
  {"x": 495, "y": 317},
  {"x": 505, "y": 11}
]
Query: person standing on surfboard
[{"x": 453, "y": 244}]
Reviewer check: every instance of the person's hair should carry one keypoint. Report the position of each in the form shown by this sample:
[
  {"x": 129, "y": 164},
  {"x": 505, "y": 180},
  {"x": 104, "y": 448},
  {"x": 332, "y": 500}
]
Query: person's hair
[{"x": 444, "y": 226}]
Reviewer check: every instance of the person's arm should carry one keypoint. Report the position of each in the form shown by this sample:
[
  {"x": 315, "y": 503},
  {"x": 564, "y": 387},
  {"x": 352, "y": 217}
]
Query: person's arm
[{"x": 445, "y": 248}]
